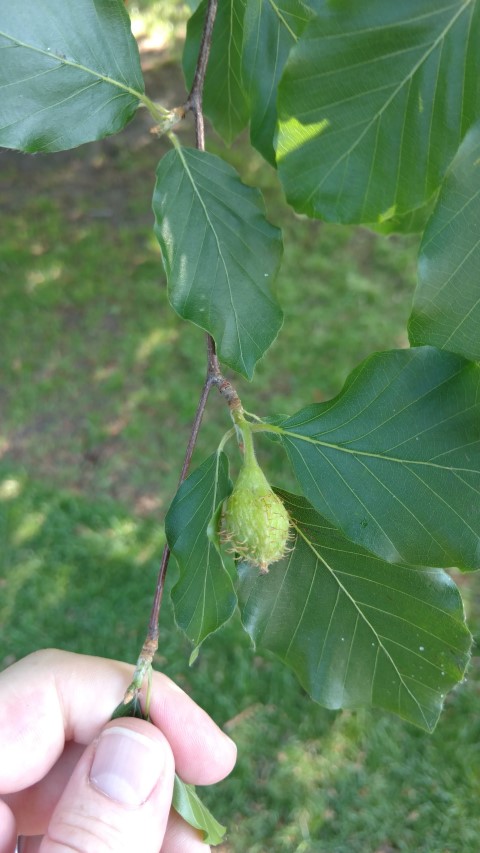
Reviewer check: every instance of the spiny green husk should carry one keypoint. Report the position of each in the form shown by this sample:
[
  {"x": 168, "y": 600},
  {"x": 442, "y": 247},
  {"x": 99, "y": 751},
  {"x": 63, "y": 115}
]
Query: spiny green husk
[{"x": 256, "y": 523}]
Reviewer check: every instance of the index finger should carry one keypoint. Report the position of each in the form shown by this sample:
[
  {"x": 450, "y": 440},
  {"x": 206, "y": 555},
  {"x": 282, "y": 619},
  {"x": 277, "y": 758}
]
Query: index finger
[{"x": 52, "y": 696}]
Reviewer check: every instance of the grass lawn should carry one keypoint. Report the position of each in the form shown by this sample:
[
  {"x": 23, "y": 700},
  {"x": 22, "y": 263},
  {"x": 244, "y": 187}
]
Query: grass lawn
[{"x": 99, "y": 382}]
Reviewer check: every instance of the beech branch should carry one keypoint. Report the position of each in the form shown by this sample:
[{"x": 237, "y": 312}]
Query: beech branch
[
  {"x": 194, "y": 102},
  {"x": 214, "y": 376}
]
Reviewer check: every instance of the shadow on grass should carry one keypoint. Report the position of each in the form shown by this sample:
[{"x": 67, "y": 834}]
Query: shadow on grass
[{"x": 73, "y": 574}]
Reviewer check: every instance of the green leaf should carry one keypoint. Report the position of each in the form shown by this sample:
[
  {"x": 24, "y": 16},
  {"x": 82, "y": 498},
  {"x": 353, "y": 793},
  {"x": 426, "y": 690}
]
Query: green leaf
[
  {"x": 224, "y": 98},
  {"x": 271, "y": 28},
  {"x": 204, "y": 597},
  {"x": 69, "y": 73},
  {"x": 220, "y": 254},
  {"x": 357, "y": 631},
  {"x": 394, "y": 459},
  {"x": 189, "y": 806},
  {"x": 373, "y": 103},
  {"x": 412, "y": 222},
  {"x": 129, "y": 709},
  {"x": 446, "y": 308}
]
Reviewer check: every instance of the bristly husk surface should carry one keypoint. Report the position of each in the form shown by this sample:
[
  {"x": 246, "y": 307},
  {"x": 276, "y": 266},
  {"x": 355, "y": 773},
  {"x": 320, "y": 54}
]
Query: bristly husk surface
[{"x": 256, "y": 522}]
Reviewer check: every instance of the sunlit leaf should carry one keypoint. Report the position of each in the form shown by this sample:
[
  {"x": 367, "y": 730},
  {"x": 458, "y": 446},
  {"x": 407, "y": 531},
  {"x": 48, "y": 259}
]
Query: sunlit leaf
[
  {"x": 356, "y": 630},
  {"x": 446, "y": 309},
  {"x": 270, "y": 30},
  {"x": 373, "y": 103},
  {"x": 69, "y": 72},
  {"x": 203, "y": 597},
  {"x": 220, "y": 254},
  {"x": 224, "y": 98},
  {"x": 189, "y": 805},
  {"x": 394, "y": 459}
]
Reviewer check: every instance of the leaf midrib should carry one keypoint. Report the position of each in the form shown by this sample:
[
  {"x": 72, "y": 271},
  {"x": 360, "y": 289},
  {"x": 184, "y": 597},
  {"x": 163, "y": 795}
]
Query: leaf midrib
[
  {"x": 282, "y": 20},
  {"x": 360, "y": 613},
  {"x": 64, "y": 61},
  {"x": 372, "y": 454},
  {"x": 197, "y": 193},
  {"x": 394, "y": 94}
]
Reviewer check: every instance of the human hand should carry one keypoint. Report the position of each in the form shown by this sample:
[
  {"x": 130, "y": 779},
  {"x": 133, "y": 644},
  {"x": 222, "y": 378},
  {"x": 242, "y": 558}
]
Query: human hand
[{"x": 70, "y": 780}]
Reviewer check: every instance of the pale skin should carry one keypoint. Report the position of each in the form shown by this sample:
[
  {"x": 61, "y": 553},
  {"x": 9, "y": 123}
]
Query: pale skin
[{"x": 71, "y": 781}]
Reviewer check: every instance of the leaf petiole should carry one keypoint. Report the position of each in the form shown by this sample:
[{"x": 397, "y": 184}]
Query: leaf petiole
[{"x": 225, "y": 438}]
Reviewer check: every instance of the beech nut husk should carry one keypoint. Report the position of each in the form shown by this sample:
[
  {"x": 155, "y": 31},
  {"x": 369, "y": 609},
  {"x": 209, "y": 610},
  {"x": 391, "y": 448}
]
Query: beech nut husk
[{"x": 256, "y": 522}]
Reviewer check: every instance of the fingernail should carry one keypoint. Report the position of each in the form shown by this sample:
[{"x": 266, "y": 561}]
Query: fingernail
[{"x": 127, "y": 765}]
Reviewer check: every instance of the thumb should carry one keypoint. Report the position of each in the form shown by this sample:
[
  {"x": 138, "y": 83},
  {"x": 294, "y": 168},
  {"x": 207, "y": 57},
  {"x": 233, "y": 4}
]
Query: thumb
[
  {"x": 8, "y": 832},
  {"x": 119, "y": 795}
]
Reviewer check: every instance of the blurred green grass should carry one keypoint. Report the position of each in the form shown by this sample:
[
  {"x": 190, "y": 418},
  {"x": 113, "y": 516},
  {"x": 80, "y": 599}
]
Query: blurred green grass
[{"x": 99, "y": 382}]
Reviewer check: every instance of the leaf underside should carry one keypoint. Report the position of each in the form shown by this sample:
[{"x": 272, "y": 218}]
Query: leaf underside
[
  {"x": 446, "y": 308},
  {"x": 220, "y": 253},
  {"x": 224, "y": 97},
  {"x": 189, "y": 806},
  {"x": 394, "y": 460},
  {"x": 413, "y": 222},
  {"x": 69, "y": 73},
  {"x": 373, "y": 103},
  {"x": 203, "y": 598},
  {"x": 270, "y": 30},
  {"x": 357, "y": 631}
]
